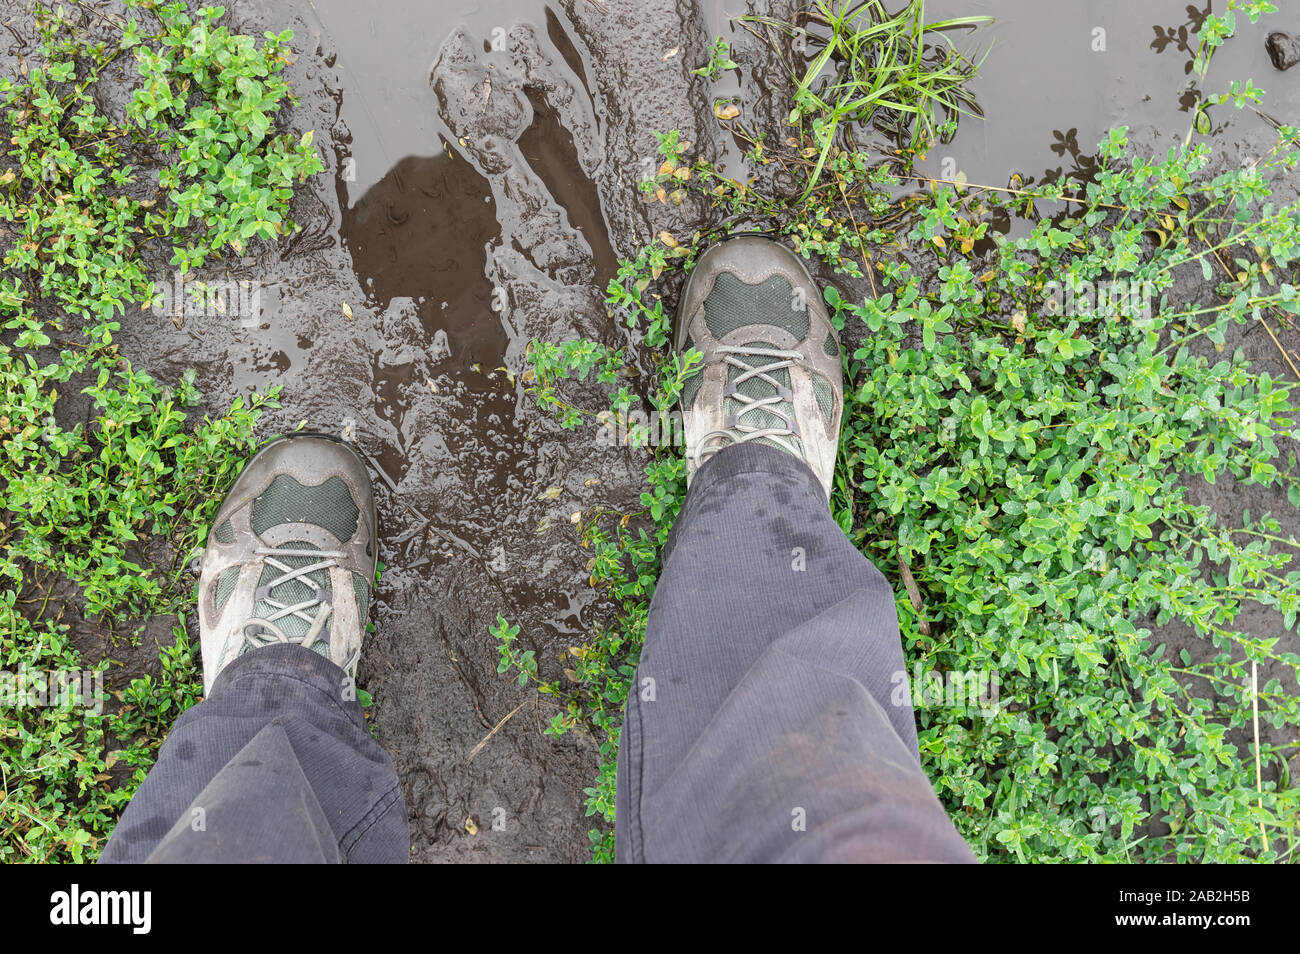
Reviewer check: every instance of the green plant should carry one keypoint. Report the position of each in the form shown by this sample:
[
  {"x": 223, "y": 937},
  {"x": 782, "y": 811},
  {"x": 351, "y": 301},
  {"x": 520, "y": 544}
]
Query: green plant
[
  {"x": 1027, "y": 458},
  {"x": 1213, "y": 32},
  {"x": 719, "y": 60},
  {"x": 893, "y": 68},
  {"x": 193, "y": 167}
]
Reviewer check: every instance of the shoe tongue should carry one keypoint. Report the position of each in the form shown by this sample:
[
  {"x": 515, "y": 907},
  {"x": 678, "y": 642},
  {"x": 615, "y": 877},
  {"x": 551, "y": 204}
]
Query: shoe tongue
[
  {"x": 293, "y": 592},
  {"x": 757, "y": 389}
]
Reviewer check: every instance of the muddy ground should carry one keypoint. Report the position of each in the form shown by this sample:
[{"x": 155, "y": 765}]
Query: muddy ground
[{"x": 480, "y": 186}]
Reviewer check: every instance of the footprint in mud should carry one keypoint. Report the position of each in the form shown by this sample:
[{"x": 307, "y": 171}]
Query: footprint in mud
[{"x": 488, "y": 251}]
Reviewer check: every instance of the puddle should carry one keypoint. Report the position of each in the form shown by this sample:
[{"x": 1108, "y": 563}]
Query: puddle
[
  {"x": 422, "y": 233},
  {"x": 1058, "y": 76}
]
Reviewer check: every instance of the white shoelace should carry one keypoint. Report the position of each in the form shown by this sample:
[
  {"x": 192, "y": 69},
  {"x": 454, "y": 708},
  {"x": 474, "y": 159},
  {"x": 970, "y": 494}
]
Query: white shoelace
[
  {"x": 738, "y": 432},
  {"x": 261, "y": 631}
]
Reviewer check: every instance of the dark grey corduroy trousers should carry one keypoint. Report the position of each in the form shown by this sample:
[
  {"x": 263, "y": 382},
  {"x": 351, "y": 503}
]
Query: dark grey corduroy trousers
[{"x": 760, "y": 726}]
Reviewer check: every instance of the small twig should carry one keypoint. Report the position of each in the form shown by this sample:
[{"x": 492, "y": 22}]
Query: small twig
[
  {"x": 1263, "y": 321},
  {"x": 473, "y": 693},
  {"x": 913, "y": 594},
  {"x": 858, "y": 231},
  {"x": 1286, "y": 357},
  {"x": 484, "y": 741}
]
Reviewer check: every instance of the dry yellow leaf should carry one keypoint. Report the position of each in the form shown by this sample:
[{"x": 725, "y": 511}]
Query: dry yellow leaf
[{"x": 347, "y": 311}]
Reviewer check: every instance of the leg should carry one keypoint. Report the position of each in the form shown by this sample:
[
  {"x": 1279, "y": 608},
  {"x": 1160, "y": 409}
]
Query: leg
[
  {"x": 276, "y": 766},
  {"x": 768, "y": 721},
  {"x": 774, "y": 652},
  {"x": 277, "y": 763}
]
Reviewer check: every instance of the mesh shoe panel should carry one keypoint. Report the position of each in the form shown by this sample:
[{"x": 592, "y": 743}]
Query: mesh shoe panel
[
  {"x": 825, "y": 396},
  {"x": 225, "y": 585},
  {"x": 732, "y": 304},
  {"x": 328, "y": 505},
  {"x": 361, "y": 590}
]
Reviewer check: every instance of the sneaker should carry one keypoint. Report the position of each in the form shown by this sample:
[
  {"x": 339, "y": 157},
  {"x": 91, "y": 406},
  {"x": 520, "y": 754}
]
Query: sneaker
[
  {"x": 291, "y": 556},
  {"x": 771, "y": 371}
]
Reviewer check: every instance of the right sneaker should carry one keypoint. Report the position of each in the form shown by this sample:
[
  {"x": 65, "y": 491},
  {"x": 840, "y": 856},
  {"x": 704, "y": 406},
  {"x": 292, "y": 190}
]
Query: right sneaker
[
  {"x": 771, "y": 372},
  {"x": 291, "y": 556}
]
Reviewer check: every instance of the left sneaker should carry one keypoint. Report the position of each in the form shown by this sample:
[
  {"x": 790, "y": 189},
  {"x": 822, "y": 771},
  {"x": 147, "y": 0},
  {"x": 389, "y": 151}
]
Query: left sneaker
[{"x": 291, "y": 556}]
